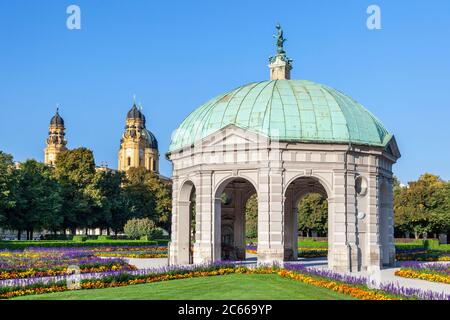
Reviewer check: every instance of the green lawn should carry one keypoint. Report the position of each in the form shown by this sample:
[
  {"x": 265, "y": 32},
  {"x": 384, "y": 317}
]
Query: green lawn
[
  {"x": 312, "y": 243},
  {"x": 229, "y": 287}
]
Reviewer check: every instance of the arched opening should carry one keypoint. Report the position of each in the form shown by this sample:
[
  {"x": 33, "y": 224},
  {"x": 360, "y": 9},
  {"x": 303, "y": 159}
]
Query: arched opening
[
  {"x": 233, "y": 198},
  {"x": 186, "y": 223},
  {"x": 306, "y": 211}
]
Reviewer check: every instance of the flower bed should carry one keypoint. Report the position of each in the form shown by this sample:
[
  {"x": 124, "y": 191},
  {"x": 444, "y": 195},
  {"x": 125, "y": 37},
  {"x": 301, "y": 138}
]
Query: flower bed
[
  {"x": 422, "y": 255},
  {"x": 390, "y": 290},
  {"x": 436, "y": 272},
  {"x": 46, "y": 262},
  {"x": 131, "y": 252},
  {"x": 353, "y": 286}
]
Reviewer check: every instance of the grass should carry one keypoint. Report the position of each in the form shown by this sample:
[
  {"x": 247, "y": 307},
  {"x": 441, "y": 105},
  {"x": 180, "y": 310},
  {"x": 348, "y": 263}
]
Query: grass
[
  {"x": 312, "y": 243},
  {"x": 229, "y": 287}
]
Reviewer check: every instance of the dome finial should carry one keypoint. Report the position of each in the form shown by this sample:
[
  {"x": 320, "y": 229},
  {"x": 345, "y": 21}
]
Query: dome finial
[{"x": 280, "y": 65}]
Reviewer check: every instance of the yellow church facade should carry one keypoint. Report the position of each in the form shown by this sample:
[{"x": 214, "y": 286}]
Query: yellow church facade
[
  {"x": 138, "y": 146},
  {"x": 56, "y": 141}
]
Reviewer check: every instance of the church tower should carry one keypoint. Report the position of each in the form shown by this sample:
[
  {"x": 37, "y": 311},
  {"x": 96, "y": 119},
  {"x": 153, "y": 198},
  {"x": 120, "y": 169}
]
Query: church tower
[
  {"x": 138, "y": 146},
  {"x": 56, "y": 141}
]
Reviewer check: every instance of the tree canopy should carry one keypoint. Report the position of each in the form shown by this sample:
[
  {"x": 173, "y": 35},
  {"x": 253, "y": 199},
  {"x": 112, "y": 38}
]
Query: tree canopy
[
  {"x": 313, "y": 214},
  {"x": 423, "y": 206},
  {"x": 74, "y": 195}
]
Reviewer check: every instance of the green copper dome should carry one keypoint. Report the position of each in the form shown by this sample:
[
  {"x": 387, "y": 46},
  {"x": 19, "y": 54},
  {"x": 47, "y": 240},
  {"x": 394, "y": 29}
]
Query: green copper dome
[{"x": 288, "y": 110}]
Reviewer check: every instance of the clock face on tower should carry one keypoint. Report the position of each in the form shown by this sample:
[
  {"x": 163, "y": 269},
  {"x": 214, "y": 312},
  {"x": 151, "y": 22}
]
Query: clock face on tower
[
  {"x": 129, "y": 152},
  {"x": 51, "y": 157}
]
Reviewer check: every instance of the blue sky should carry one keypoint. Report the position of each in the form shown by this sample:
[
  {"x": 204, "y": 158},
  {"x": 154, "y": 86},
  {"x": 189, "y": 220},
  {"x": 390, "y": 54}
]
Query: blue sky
[{"x": 175, "y": 55}]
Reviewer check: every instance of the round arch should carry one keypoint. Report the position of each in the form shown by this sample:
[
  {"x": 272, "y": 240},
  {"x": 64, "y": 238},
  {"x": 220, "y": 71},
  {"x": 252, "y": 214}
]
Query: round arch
[
  {"x": 230, "y": 225},
  {"x": 221, "y": 185},
  {"x": 295, "y": 190},
  {"x": 185, "y": 212},
  {"x": 185, "y": 191},
  {"x": 320, "y": 180}
]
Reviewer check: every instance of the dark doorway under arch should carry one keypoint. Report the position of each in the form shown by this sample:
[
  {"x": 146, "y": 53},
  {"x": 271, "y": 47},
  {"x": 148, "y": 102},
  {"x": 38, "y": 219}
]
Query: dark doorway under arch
[
  {"x": 231, "y": 199},
  {"x": 295, "y": 192}
]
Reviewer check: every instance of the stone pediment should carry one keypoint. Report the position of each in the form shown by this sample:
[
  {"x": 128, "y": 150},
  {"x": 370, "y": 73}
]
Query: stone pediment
[
  {"x": 392, "y": 149},
  {"x": 233, "y": 135}
]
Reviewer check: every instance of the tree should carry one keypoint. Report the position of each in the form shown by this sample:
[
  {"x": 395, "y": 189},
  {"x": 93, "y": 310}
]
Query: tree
[
  {"x": 140, "y": 201},
  {"x": 112, "y": 212},
  {"x": 422, "y": 206},
  {"x": 148, "y": 197},
  {"x": 7, "y": 181},
  {"x": 38, "y": 200},
  {"x": 313, "y": 214},
  {"x": 75, "y": 171},
  {"x": 440, "y": 216},
  {"x": 251, "y": 217},
  {"x": 163, "y": 200}
]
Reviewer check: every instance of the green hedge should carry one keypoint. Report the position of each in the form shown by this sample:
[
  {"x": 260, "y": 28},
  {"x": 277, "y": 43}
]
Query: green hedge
[
  {"x": 104, "y": 238},
  {"x": 79, "y": 238},
  {"x": 162, "y": 242},
  {"x": 88, "y": 243},
  {"x": 430, "y": 244}
]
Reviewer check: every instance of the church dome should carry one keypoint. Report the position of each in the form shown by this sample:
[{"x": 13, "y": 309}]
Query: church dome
[
  {"x": 135, "y": 113},
  {"x": 152, "y": 143},
  {"x": 287, "y": 110},
  {"x": 56, "y": 120}
]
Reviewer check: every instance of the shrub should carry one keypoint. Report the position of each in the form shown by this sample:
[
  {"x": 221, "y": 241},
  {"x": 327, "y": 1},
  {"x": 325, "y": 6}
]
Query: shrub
[
  {"x": 137, "y": 228},
  {"x": 431, "y": 244},
  {"x": 79, "y": 238},
  {"x": 156, "y": 233},
  {"x": 104, "y": 238}
]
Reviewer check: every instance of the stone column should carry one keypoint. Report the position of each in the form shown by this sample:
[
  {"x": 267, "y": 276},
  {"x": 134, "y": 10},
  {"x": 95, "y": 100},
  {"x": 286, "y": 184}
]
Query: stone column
[
  {"x": 373, "y": 254},
  {"x": 391, "y": 225},
  {"x": 179, "y": 251},
  {"x": 239, "y": 222},
  {"x": 288, "y": 250},
  {"x": 270, "y": 217},
  {"x": 184, "y": 234},
  {"x": 352, "y": 230},
  {"x": 295, "y": 232},
  {"x": 173, "y": 247},
  {"x": 344, "y": 252},
  {"x": 387, "y": 231},
  {"x": 290, "y": 226},
  {"x": 207, "y": 245}
]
